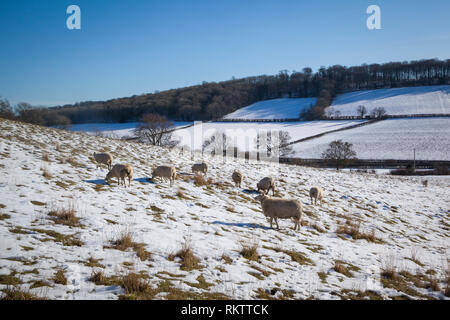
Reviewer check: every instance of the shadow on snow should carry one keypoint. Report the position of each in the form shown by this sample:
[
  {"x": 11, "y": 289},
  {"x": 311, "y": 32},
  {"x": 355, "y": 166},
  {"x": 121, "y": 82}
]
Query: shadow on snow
[{"x": 242, "y": 225}]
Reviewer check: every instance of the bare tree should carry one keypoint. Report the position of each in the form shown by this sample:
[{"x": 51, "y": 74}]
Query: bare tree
[
  {"x": 218, "y": 142},
  {"x": 329, "y": 112},
  {"x": 27, "y": 113},
  {"x": 6, "y": 110},
  {"x": 156, "y": 130},
  {"x": 339, "y": 152},
  {"x": 378, "y": 112},
  {"x": 361, "y": 110},
  {"x": 274, "y": 140}
]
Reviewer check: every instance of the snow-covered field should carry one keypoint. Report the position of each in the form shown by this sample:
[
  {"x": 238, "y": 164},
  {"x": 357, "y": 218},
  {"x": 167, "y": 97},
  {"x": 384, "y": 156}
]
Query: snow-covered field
[
  {"x": 410, "y": 224},
  {"x": 389, "y": 139},
  {"x": 273, "y": 109},
  {"x": 244, "y": 133},
  {"x": 115, "y": 129},
  {"x": 396, "y": 101}
]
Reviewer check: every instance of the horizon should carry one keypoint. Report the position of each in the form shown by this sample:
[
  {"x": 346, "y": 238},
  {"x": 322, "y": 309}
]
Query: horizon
[{"x": 134, "y": 48}]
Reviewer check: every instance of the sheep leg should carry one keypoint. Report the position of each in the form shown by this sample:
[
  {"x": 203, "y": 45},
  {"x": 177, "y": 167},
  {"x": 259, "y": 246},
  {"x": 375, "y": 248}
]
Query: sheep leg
[
  {"x": 276, "y": 221},
  {"x": 271, "y": 223}
]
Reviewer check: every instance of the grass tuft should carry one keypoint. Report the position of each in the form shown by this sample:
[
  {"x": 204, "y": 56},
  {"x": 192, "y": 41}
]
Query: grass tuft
[
  {"x": 249, "y": 251},
  {"x": 125, "y": 241},
  {"x": 199, "y": 180},
  {"x": 188, "y": 259},
  {"x": 16, "y": 293},
  {"x": 65, "y": 215},
  {"x": 59, "y": 277}
]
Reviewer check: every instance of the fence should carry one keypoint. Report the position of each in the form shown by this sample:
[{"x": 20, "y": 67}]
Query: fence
[
  {"x": 368, "y": 117},
  {"x": 369, "y": 163}
]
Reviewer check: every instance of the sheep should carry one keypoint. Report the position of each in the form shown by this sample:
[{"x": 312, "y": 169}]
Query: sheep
[
  {"x": 275, "y": 208},
  {"x": 317, "y": 194},
  {"x": 103, "y": 158},
  {"x": 265, "y": 184},
  {"x": 200, "y": 167},
  {"x": 167, "y": 172},
  {"x": 120, "y": 171},
  {"x": 237, "y": 177}
]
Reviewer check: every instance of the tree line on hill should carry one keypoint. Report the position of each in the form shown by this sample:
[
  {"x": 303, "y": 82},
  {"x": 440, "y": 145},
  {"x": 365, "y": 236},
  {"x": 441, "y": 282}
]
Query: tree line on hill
[{"x": 213, "y": 100}]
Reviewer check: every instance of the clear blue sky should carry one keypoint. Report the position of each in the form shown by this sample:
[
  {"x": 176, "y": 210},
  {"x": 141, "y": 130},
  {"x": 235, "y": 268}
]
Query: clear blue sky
[{"x": 136, "y": 46}]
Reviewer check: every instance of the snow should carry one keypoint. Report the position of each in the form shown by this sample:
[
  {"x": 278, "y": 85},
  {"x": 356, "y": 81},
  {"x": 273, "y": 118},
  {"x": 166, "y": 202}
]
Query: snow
[
  {"x": 288, "y": 108},
  {"x": 389, "y": 139},
  {"x": 392, "y": 206},
  {"x": 244, "y": 133},
  {"x": 115, "y": 129},
  {"x": 396, "y": 101}
]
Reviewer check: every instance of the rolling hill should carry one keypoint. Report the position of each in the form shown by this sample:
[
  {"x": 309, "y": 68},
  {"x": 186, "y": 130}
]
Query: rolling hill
[
  {"x": 396, "y": 101},
  {"x": 366, "y": 224},
  {"x": 273, "y": 109}
]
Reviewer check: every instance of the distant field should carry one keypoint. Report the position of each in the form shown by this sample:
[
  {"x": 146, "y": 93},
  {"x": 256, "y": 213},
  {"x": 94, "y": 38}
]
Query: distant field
[
  {"x": 396, "y": 101},
  {"x": 118, "y": 129},
  {"x": 245, "y": 132},
  {"x": 389, "y": 139},
  {"x": 273, "y": 109}
]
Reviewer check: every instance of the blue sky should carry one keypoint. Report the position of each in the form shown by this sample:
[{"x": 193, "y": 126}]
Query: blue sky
[{"x": 136, "y": 46}]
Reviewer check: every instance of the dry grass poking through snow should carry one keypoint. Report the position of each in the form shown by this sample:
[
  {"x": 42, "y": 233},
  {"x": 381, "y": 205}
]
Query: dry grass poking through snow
[
  {"x": 60, "y": 277},
  {"x": 124, "y": 241},
  {"x": 45, "y": 156},
  {"x": 249, "y": 250},
  {"x": 17, "y": 293},
  {"x": 65, "y": 215},
  {"x": 352, "y": 227},
  {"x": 45, "y": 172},
  {"x": 200, "y": 180},
  {"x": 188, "y": 259}
]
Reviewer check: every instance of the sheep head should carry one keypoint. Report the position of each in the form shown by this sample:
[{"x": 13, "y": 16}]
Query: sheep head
[{"x": 261, "y": 197}]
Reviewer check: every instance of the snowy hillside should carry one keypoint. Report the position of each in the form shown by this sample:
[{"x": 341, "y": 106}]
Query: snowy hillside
[
  {"x": 389, "y": 139},
  {"x": 273, "y": 109},
  {"x": 396, "y": 101},
  {"x": 367, "y": 226},
  {"x": 244, "y": 133}
]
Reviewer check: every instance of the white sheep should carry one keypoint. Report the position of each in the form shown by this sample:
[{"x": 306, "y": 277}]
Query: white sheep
[
  {"x": 103, "y": 158},
  {"x": 275, "y": 208},
  {"x": 237, "y": 178},
  {"x": 120, "y": 171},
  {"x": 265, "y": 184},
  {"x": 166, "y": 172},
  {"x": 200, "y": 167},
  {"x": 316, "y": 193}
]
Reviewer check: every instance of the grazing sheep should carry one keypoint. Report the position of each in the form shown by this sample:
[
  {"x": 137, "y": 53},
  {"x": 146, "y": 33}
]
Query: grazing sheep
[
  {"x": 237, "y": 178},
  {"x": 200, "y": 167},
  {"x": 265, "y": 184},
  {"x": 103, "y": 158},
  {"x": 166, "y": 172},
  {"x": 275, "y": 208},
  {"x": 127, "y": 172},
  {"x": 317, "y": 194},
  {"x": 120, "y": 171}
]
